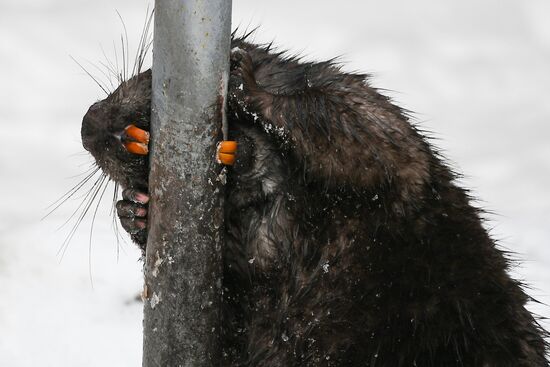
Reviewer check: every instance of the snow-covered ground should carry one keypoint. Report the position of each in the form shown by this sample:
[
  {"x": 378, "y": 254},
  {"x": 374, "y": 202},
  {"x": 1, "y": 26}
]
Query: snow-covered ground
[{"x": 477, "y": 73}]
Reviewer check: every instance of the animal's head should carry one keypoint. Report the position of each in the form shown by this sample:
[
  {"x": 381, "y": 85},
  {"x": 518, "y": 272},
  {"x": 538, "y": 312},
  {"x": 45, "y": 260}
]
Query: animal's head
[{"x": 106, "y": 136}]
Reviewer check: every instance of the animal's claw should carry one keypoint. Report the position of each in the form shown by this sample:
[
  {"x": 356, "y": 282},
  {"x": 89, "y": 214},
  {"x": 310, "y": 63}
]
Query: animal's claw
[{"x": 226, "y": 152}]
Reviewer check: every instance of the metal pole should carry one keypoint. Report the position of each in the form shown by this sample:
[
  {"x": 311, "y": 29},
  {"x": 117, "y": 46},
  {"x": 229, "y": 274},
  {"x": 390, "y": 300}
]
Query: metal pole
[{"x": 183, "y": 269}]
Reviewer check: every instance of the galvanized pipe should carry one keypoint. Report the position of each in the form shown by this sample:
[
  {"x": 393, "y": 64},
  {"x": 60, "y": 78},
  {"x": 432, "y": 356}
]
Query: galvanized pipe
[{"x": 183, "y": 269}]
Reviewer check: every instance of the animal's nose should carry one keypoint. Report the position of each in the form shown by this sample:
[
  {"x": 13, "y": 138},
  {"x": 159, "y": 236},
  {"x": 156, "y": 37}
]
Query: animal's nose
[
  {"x": 90, "y": 125},
  {"x": 91, "y": 119}
]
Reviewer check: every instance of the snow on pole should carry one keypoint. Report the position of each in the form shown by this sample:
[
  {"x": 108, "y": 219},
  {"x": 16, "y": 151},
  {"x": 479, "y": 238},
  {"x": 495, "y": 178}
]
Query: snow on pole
[{"x": 183, "y": 269}]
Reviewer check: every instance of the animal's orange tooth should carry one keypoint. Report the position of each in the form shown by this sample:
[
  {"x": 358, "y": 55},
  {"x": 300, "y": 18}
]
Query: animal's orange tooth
[
  {"x": 227, "y": 159},
  {"x": 227, "y": 146},
  {"x": 136, "y": 148},
  {"x": 138, "y": 134}
]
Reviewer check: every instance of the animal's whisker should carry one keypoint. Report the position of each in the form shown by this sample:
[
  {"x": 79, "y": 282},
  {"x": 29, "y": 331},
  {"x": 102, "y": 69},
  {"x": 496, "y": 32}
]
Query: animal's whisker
[
  {"x": 86, "y": 172},
  {"x": 119, "y": 74},
  {"x": 105, "y": 74},
  {"x": 56, "y": 204},
  {"x": 78, "y": 154},
  {"x": 103, "y": 88},
  {"x": 86, "y": 196},
  {"x": 105, "y": 186},
  {"x": 114, "y": 222},
  {"x": 143, "y": 43},
  {"x": 125, "y": 49},
  {"x": 88, "y": 204},
  {"x": 124, "y": 76},
  {"x": 109, "y": 65},
  {"x": 115, "y": 226},
  {"x": 90, "y": 163},
  {"x": 111, "y": 74}
]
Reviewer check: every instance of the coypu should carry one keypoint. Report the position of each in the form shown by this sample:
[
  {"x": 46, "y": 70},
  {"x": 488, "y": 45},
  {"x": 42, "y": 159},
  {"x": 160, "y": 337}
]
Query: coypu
[{"x": 349, "y": 242}]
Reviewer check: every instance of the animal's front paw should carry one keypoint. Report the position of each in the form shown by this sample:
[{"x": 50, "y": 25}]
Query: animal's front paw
[{"x": 132, "y": 212}]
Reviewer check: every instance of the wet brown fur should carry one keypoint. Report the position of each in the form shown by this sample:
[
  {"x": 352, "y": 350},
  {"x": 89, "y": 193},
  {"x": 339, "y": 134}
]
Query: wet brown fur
[{"x": 348, "y": 241}]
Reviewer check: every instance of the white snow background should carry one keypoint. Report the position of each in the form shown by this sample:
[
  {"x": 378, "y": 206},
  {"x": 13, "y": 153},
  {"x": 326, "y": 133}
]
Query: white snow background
[{"x": 476, "y": 72}]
